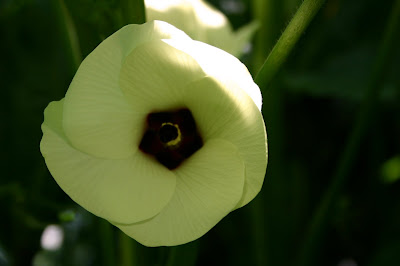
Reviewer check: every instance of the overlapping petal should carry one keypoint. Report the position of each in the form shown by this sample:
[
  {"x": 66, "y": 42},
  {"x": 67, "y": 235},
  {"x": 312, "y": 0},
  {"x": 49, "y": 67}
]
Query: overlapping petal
[
  {"x": 209, "y": 186},
  {"x": 202, "y": 22},
  {"x": 214, "y": 28},
  {"x": 230, "y": 114},
  {"x": 221, "y": 65},
  {"x": 95, "y": 110},
  {"x": 179, "y": 13},
  {"x": 155, "y": 75},
  {"x": 121, "y": 190},
  {"x": 237, "y": 40}
]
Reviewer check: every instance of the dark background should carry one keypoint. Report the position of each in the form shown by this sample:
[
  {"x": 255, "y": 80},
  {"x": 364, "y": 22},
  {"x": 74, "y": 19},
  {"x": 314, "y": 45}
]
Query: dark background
[{"x": 311, "y": 109}]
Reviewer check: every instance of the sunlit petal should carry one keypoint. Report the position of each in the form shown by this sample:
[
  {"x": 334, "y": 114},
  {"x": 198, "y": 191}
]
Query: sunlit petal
[
  {"x": 209, "y": 185},
  {"x": 124, "y": 190},
  {"x": 221, "y": 65},
  {"x": 155, "y": 75},
  {"x": 96, "y": 110},
  {"x": 230, "y": 114},
  {"x": 202, "y": 22}
]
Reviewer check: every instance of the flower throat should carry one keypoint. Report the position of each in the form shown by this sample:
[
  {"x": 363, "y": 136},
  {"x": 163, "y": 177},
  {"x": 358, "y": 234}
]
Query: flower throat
[{"x": 171, "y": 137}]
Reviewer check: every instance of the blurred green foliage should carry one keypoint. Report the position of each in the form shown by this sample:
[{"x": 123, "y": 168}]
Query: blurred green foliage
[
  {"x": 309, "y": 111},
  {"x": 391, "y": 170}
]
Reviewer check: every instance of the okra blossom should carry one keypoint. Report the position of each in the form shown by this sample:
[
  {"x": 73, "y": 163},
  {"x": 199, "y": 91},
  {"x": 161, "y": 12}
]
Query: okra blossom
[
  {"x": 201, "y": 22},
  {"x": 159, "y": 134}
]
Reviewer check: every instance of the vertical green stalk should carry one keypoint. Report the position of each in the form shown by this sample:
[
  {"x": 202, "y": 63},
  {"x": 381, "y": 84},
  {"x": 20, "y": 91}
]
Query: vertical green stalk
[
  {"x": 319, "y": 221},
  {"x": 133, "y": 11},
  {"x": 268, "y": 14},
  {"x": 183, "y": 255},
  {"x": 286, "y": 42},
  {"x": 127, "y": 250},
  {"x": 71, "y": 36},
  {"x": 107, "y": 243}
]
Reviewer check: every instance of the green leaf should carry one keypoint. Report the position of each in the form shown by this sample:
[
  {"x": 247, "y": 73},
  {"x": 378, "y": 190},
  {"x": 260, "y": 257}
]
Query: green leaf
[
  {"x": 67, "y": 216},
  {"x": 343, "y": 76},
  {"x": 391, "y": 170}
]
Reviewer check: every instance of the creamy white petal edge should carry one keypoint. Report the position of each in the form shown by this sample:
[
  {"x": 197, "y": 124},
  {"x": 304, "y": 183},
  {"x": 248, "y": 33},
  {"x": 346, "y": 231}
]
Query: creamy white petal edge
[
  {"x": 209, "y": 186},
  {"x": 121, "y": 190},
  {"x": 98, "y": 120}
]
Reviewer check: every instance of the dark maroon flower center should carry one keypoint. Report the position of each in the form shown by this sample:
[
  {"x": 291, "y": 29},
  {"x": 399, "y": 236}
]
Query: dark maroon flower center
[{"x": 171, "y": 137}]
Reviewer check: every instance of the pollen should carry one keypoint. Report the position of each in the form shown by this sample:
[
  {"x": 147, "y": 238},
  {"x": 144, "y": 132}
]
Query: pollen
[{"x": 170, "y": 134}]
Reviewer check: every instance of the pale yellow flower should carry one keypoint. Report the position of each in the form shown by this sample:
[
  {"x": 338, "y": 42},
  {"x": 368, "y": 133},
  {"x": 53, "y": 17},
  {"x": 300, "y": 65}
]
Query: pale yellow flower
[{"x": 159, "y": 134}]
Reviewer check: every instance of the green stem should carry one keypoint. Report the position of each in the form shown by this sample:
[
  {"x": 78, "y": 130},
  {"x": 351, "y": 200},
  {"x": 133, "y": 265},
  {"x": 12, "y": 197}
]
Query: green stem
[
  {"x": 71, "y": 36},
  {"x": 127, "y": 250},
  {"x": 267, "y": 232},
  {"x": 183, "y": 255},
  {"x": 319, "y": 221},
  {"x": 286, "y": 42},
  {"x": 107, "y": 243},
  {"x": 257, "y": 229},
  {"x": 268, "y": 14},
  {"x": 133, "y": 11}
]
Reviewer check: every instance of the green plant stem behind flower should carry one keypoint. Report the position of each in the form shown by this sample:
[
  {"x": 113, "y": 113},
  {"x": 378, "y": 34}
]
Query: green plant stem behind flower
[
  {"x": 70, "y": 35},
  {"x": 268, "y": 13},
  {"x": 107, "y": 245},
  {"x": 286, "y": 42},
  {"x": 133, "y": 11},
  {"x": 127, "y": 250},
  {"x": 320, "y": 219}
]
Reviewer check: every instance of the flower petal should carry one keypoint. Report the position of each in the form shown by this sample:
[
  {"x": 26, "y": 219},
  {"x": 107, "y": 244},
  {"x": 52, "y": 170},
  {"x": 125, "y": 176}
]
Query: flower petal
[
  {"x": 221, "y": 65},
  {"x": 242, "y": 37},
  {"x": 208, "y": 16},
  {"x": 209, "y": 185},
  {"x": 229, "y": 113},
  {"x": 179, "y": 13},
  {"x": 155, "y": 74},
  {"x": 213, "y": 26},
  {"x": 202, "y": 22},
  {"x": 232, "y": 42},
  {"x": 124, "y": 190},
  {"x": 97, "y": 118}
]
